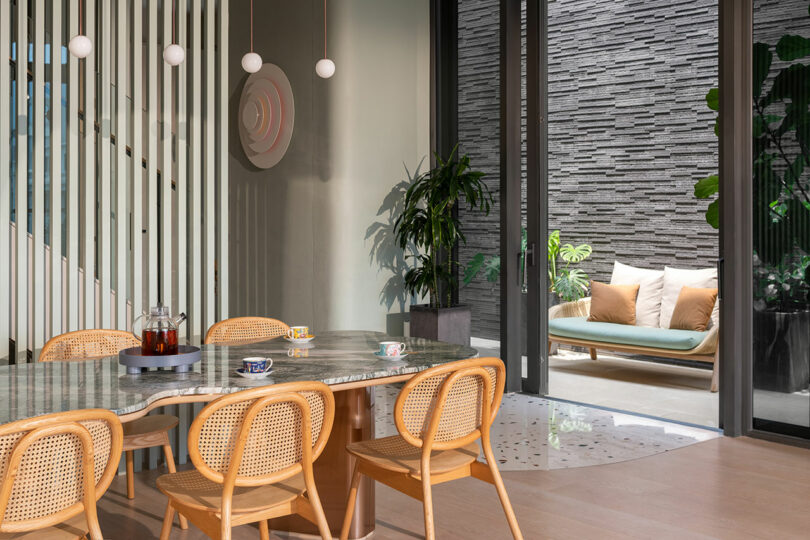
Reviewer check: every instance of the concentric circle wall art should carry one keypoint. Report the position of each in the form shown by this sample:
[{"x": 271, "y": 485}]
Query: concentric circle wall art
[{"x": 266, "y": 116}]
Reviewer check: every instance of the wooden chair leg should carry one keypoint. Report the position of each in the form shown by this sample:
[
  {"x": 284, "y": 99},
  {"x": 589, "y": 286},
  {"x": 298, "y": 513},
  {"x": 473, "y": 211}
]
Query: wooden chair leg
[
  {"x": 347, "y": 518},
  {"x": 716, "y": 372},
  {"x": 315, "y": 503},
  {"x": 167, "y": 451},
  {"x": 498, "y": 481},
  {"x": 130, "y": 458},
  {"x": 168, "y": 519},
  {"x": 264, "y": 530},
  {"x": 593, "y": 353},
  {"x": 427, "y": 503}
]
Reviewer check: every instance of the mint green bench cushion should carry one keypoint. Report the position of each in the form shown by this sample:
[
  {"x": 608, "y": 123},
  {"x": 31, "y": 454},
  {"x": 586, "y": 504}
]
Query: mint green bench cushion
[{"x": 623, "y": 334}]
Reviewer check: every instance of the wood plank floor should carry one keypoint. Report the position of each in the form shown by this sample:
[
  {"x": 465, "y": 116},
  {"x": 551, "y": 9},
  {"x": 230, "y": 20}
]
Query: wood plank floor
[{"x": 723, "y": 488}]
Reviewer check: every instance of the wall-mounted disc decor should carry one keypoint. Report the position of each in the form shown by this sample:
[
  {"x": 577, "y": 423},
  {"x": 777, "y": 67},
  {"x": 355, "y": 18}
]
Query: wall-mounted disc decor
[{"x": 266, "y": 116}]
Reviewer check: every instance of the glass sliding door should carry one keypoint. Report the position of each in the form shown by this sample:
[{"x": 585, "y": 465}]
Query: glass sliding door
[{"x": 781, "y": 217}]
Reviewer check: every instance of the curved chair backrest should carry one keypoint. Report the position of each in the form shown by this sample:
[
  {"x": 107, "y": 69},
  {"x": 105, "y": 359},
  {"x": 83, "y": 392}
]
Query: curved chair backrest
[
  {"x": 449, "y": 406},
  {"x": 87, "y": 345},
  {"x": 263, "y": 435},
  {"x": 245, "y": 329},
  {"x": 56, "y": 466}
]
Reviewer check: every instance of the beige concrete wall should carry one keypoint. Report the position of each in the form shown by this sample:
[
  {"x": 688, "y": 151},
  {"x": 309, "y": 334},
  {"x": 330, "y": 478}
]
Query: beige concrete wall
[{"x": 298, "y": 246}]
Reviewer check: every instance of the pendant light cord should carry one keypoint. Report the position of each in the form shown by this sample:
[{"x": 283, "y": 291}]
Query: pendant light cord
[
  {"x": 81, "y": 16},
  {"x": 174, "y": 24},
  {"x": 251, "y": 25},
  {"x": 324, "y": 29}
]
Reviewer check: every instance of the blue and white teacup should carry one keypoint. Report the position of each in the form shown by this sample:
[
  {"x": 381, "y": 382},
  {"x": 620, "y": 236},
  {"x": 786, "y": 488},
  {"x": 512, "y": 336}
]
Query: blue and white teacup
[
  {"x": 391, "y": 348},
  {"x": 256, "y": 364}
]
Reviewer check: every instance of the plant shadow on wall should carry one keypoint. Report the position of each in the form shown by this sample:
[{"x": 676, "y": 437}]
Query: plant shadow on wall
[
  {"x": 781, "y": 212},
  {"x": 386, "y": 252}
]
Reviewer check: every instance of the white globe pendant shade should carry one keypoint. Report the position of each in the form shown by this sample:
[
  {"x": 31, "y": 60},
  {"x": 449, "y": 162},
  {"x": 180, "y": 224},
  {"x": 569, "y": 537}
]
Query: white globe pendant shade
[
  {"x": 80, "y": 46},
  {"x": 251, "y": 62},
  {"x": 174, "y": 54},
  {"x": 325, "y": 68}
]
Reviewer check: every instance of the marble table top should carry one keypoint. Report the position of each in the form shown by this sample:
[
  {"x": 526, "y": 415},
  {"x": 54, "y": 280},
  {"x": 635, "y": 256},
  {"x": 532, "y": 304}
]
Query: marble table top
[{"x": 332, "y": 357}]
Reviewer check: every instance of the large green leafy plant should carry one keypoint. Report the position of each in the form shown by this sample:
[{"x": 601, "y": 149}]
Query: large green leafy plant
[
  {"x": 429, "y": 223},
  {"x": 781, "y": 152}
]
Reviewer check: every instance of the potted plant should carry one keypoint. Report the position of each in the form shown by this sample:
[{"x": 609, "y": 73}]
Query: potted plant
[
  {"x": 565, "y": 281},
  {"x": 781, "y": 220},
  {"x": 429, "y": 223}
]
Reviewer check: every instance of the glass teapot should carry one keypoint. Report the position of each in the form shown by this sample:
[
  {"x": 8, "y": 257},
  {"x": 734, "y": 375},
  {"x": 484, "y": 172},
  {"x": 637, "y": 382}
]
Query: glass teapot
[{"x": 159, "y": 334}]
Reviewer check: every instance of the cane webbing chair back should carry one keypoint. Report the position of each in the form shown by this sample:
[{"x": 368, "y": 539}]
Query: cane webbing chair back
[
  {"x": 445, "y": 404},
  {"x": 53, "y": 466},
  {"x": 244, "y": 330},
  {"x": 87, "y": 345},
  {"x": 265, "y": 432}
]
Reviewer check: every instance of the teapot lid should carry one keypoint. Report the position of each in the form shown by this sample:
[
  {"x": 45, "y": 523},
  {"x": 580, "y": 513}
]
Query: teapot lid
[{"x": 159, "y": 310}]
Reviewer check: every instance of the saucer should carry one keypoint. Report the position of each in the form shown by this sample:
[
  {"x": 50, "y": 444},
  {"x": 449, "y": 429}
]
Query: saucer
[
  {"x": 392, "y": 358},
  {"x": 300, "y": 340},
  {"x": 247, "y": 375}
]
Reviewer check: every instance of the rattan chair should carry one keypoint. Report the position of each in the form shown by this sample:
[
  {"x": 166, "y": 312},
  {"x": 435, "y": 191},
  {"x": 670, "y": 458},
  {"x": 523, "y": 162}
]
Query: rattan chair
[
  {"x": 147, "y": 432},
  {"x": 54, "y": 469},
  {"x": 253, "y": 452},
  {"x": 238, "y": 330},
  {"x": 439, "y": 413}
]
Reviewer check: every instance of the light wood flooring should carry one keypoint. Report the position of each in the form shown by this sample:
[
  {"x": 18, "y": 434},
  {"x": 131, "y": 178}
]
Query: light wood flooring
[{"x": 722, "y": 488}]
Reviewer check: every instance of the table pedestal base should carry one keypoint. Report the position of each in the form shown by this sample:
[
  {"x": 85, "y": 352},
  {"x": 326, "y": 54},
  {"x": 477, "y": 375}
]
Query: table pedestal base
[{"x": 354, "y": 421}]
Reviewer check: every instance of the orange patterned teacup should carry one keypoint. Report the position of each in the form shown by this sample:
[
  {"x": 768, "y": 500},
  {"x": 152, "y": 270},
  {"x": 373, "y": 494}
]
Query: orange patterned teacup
[{"x": 298, "y": 332}]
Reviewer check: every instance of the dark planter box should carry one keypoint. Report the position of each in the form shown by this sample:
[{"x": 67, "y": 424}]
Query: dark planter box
[
  {"x": 451, "y": 325},
  {"x": 781, "y": 350}
]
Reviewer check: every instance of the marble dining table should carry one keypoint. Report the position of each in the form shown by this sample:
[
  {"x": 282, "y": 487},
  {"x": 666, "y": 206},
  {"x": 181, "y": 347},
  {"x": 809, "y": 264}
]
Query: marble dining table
[{"x": 344, "y": 360}]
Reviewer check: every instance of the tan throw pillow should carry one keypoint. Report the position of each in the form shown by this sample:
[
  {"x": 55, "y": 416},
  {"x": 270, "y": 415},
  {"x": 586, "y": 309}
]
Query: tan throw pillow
[
  {"x": 613, "y": 303},
  {"x": 693, "y": 310},
  {"x": 677, "y": 278},
  {"x": 648, "y": 302}
]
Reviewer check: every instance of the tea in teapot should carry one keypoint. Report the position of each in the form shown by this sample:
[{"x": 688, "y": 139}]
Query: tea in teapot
[{"x": 159, "y": 334}]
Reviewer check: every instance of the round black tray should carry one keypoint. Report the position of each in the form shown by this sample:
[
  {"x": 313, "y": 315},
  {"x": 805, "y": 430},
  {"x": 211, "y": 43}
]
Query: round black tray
[{"x": 180, "y": 362}]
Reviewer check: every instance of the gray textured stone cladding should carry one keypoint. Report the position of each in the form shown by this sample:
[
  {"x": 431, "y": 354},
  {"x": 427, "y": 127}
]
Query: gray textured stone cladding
[{"x": 629, "y": 132}]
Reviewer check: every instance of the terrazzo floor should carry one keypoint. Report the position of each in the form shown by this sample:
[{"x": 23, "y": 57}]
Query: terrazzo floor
[{"x": 533, "y": 433}]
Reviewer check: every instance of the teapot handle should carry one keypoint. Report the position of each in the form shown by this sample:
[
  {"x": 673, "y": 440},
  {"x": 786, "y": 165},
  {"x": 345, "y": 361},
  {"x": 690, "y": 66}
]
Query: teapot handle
[{"x": 139, "y": 317}]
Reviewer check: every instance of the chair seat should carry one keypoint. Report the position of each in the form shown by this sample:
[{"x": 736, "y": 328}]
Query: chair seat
[
  {"x": 148, "y": 431},
  {"x": 192, "y": 489},
  {"x": 397, "y": 455},
  {"x": 625, "y": 334},
  {"x": 75, "y": 527}
]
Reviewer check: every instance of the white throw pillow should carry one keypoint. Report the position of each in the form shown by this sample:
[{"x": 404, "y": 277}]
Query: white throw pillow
[
  {"x": 677, "y": 278},
  {"x": 651, "y": 283}
]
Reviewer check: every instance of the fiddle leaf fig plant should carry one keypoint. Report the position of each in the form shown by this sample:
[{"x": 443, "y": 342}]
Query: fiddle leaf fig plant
[{"x": 781, "y": 167}]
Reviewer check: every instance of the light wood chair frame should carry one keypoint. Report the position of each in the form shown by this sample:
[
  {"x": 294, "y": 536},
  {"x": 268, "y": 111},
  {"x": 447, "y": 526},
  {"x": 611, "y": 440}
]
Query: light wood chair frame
[
  {"x": 51, "y": 425},
  {"x": 420, "y": 486},
  {"x": 141, "y": 438},
  {"x": 212, "y": 339},
  {"x": 218, "y": 524}
]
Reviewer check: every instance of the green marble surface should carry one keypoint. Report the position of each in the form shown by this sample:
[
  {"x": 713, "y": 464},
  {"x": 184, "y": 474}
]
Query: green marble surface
[{"x": 332, "y": 357}]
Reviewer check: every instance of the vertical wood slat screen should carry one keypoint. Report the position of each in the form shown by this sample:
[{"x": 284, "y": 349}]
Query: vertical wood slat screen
[{"x": 113, "y": 168}]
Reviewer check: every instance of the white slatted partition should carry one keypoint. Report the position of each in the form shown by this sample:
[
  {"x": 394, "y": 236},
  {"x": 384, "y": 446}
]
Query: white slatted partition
[
  {"x": 5, "y": 180},
  {"x": 138, "y": 150}
]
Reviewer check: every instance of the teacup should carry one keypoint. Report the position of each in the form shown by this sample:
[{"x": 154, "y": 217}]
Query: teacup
[
  {"x": 391, "y": 348},
  {"x": 256, "y": 364},
  {"x": 298, "y": 332}
]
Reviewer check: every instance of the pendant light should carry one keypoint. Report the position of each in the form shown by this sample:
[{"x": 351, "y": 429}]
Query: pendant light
[
  {"x": 325, "y": 68},
  {"x": 251, "y": 62},
  {"x": 80, "y": 45},
  {"x": 174, "y": 54}
]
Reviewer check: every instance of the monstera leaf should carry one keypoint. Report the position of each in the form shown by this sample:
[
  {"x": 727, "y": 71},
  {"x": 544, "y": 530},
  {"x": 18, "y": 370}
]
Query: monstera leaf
[
  {"x": 763, "y": 57},
  {"x": 792, "y": 47}
]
